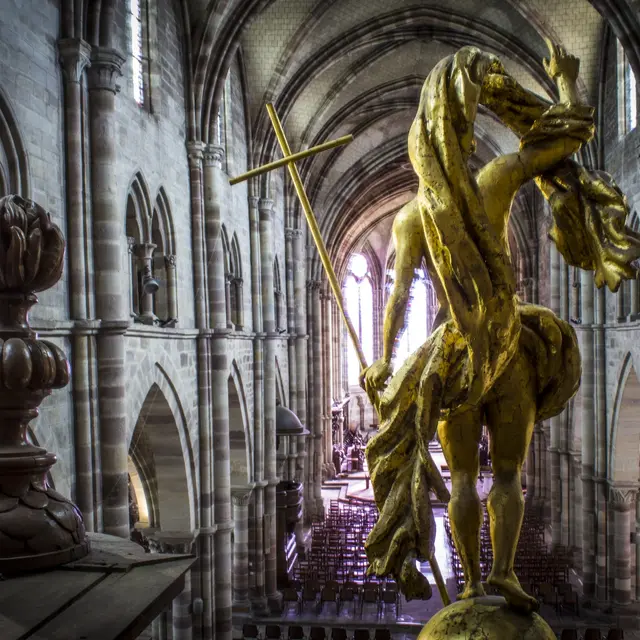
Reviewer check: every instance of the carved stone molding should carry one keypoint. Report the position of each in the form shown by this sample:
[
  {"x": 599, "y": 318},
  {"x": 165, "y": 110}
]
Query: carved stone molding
[
  {"x": 131, "y": 244},
  {"x": 195, "y": 151},
  {"x": 171, "y": 544},
  {"x": 265, "y": 206},
  {"x": 213, "y": 156},
  {"x": 622, "y": 497},
  {"x": 106, "y": 69},
  {"x": 240, "y": 496},
  {"x": 169, "y": 261},
  {"x": 75, "y": 57},
  {"x": 253, "y": 201},
  {"x": 293, "y": 233},
  {"x": 313, "y": 285}
]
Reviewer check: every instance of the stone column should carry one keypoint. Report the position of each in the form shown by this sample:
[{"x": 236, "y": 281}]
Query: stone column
[
  {"x": 144, "y": 253},
  {"x": 557, "y": 289},
  {"x": 203, "y": 573},
  {"x": 172, "y": 287},
  {"x": 317, "y": 396},
  {"x": 325, "y": 338},
  {"x": 587, "y": 410},
  {"x": 159, "y": 627},
  {"x": 310, "y": 495},
  {"x": 259, "y": 603},
  {"x": 110, "y": 296},
  {"x": 291, "y": 322},
  {"x": 633, "y": 302},
  {"x": 265, "y": 207},
  {"x": 637, "y": 548},
  {"x": 74, "y": 59},
  {"x": 227, "y": 299},
  {"x": 240, "y": 497},
  {"x": 213, "y": 178},
  {"x": 181, "y": 617},
  {"x": 623, "y": 503},
  {"x": 300, "y": 322}
]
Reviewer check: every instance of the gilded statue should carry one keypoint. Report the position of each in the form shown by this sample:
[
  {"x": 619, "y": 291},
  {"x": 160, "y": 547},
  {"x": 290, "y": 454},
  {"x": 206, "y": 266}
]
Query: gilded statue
[{"x": 491, "y": 359}]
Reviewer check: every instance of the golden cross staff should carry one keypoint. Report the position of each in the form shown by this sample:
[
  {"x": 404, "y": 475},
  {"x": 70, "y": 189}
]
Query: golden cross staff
[{"x": 290, "y": 160}]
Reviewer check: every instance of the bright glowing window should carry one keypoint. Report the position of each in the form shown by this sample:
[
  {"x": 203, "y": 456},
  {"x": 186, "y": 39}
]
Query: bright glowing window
[
  {"x": 631, "y": 97},
  {"x": 137, "y": 57},
  {"x": 358, "y": 294},
  {"x": 421, "y": 312}
]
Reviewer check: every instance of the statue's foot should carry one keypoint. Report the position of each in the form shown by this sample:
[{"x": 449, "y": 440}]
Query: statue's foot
[
  {"x": 472, "y": 590},
  {"x": 513, "y": 593}
]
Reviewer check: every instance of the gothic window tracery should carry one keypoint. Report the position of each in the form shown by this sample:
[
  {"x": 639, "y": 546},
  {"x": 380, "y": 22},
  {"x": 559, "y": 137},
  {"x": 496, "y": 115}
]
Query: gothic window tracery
[
  {"x": 627, "y": 94},
  {"x": 233, "y": 281},
  {"x": 152, "y": 259},
  {"x": 358, "y": 295},
  {"x": 419, "y": 317},
  {"x": 138, "y": 20}
]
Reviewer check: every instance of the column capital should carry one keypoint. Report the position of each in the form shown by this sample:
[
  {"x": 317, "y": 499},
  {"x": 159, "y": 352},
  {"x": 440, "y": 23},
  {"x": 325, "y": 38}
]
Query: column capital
[
  {"x": 213, "y": 155},
  {"x": 240, "y": 496},
  {"x": 170, "y": 260},
  {"x": 253, "y": 201},
  {"x": 622, "y": 496},
  {"x": 313, "y": 285},
  {"x": 195, "y": 150},
  {"x": 131, "y": 244},
  {"x": 106, "y": 69},
  {"x": 144, "y": 250},
  {"x": 293, "y": 233},
  {"x": 75, "y": 56},
  {"x": 178, "y": 543},
  {"x": 265, "y": 205}
]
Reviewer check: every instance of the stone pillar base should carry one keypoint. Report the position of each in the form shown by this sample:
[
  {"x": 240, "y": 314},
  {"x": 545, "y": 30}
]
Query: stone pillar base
[
  {"x": 260, "y": 606},
  {"x": 275, "y": 602}
]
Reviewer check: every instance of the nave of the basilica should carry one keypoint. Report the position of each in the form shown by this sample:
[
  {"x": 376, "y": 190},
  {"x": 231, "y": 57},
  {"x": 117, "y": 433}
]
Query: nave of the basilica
[{"x": 214, "y": 406}]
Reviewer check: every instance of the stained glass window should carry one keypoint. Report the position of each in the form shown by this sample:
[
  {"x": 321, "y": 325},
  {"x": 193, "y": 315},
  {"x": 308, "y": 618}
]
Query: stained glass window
[
  {"x": 631, "y": 97},
  {"x": 420, "y": 314},
  {"x": 137, "y": 58},
  {"x": 358, "y": 294}
]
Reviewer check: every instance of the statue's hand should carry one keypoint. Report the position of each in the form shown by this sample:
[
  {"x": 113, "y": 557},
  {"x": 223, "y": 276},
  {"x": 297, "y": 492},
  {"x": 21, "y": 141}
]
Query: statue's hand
[
  {"x": 373, "y": 378},
  {"x": 560, "y": 63}
]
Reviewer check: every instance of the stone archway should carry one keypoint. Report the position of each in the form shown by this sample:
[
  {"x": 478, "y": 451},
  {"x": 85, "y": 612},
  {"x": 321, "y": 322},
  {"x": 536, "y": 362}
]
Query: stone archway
[
  {"x": 625, "y": 437},
  {"x": 239, "y": 447},
  {"x": 157, "y": 453}
]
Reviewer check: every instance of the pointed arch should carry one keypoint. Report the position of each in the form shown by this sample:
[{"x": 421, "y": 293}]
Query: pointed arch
[
  {"x": 240, "y": 442},
  {"x": 236, "y": 256},
  {"x": 161, "y": 451},
  {"x": 138, "y": 209},
  {"x": 624, "y": 445},
  {"x": 14, "y": 167},
  {"x": 162, "y": 224},
  {"x": 278, "y": 296},
  {"x": 281, "y": 395}
]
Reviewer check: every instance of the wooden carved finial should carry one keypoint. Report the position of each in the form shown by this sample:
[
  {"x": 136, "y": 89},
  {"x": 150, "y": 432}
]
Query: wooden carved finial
[{"x": 39, "y": 528}]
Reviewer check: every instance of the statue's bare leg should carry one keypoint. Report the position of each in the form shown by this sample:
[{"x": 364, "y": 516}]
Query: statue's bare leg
[
  {"x": 510, "y": 415},
  {"x": 459, "y": 437}
]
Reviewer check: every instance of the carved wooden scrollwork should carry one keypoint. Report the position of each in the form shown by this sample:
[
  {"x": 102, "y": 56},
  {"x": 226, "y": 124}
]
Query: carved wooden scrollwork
[{"x": 39, "y": 528}]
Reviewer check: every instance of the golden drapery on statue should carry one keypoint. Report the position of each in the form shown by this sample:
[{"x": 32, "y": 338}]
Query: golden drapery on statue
[{"x": 483, "y": 331}]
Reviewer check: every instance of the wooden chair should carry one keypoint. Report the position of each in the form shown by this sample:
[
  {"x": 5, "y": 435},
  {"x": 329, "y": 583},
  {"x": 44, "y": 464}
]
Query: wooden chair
[
  {"x": 339, "y": 633},
  {"x": 592, "y": 634},
  {"x": 296, "y": 633},
  {"x": 382, "y": 634},
  {"x": 272, "y": 632},
  {"x": 569, "y": 634},
  {"x": 317, "y": 633},
  {"x": 328, "y": 595},
  {"x": 615, "y": 634},
  {"x": 250, "y": 631},
  {"x": 361, "y": 634}
]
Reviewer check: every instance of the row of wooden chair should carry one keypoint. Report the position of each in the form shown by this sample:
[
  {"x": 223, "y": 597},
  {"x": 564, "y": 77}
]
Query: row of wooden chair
[
  {"x": 296, "y": 632},
  {"x": 592, "y": 634}
]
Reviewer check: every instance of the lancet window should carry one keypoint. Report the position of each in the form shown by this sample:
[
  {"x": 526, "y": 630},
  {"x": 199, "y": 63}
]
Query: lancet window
[
  {"x": 358, "y": 295},
  {"x": 233, "y": 281},
  {"x": 278, "y": 298},
  {"x": 627, "y": 94},
  {"x": 138, "y": 20},
  {"x": 152, "y": 259},
  {"x": 420, "y": 314}
]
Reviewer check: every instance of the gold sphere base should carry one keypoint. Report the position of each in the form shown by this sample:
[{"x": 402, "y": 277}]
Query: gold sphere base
[{"x": 485, "y": 618}]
